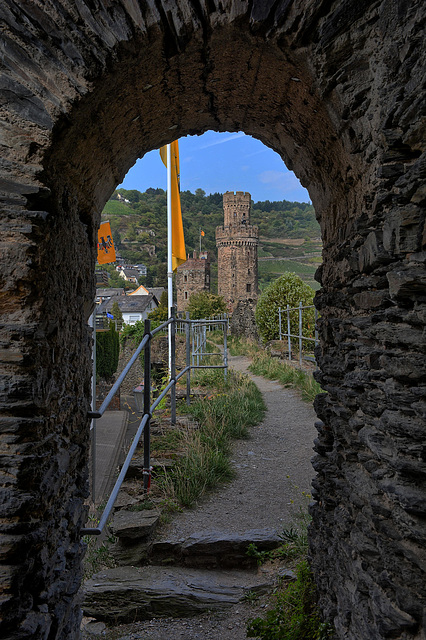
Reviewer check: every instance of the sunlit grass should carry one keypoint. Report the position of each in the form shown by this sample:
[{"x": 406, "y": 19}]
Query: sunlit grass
[
  {"x": 274, "y": 369},
  {"x": 233, "y": 404}
]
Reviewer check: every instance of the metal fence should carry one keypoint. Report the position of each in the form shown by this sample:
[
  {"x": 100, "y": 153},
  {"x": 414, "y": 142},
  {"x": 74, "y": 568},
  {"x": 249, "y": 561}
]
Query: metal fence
[
  {"x": 214, "y": 322},
  {"x": 195, "y": 331},
  {"x": 299, "y": 336}
]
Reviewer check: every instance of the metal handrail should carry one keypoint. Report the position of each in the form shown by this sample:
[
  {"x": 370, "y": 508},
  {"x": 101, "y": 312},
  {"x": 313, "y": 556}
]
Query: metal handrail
[
  {"x": 300, "y": 336},
  {"x": 148, "y": 409}
]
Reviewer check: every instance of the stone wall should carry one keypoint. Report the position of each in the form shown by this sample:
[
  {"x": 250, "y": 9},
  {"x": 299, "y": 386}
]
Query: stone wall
[
  {"x": 337, "y": 89},
  {"x": 243, "y": 323},
  {"x": 193, "y": 276},
  {"x": 237, "y": 242}
]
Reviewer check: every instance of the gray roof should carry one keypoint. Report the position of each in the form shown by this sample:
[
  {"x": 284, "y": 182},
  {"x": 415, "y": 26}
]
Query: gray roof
[
  {"x": 107, "y": 293},
  {"x": 157, "y": 291},
  {"x": 130, "y": 273},
  {"x": 126, "y": 303}
]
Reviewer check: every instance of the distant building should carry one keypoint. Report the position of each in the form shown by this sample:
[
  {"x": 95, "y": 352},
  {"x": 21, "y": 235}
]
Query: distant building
[
  {"x": 133, "y": 308},
  {"x": 237, "y": 244},
  {"x": 106, "y": 294},
  {"x": 140, "y": 291},
  {"x": 129, "y": 274},
  {"x": 141, "y": 269},
  {"x": 193, "y": 276},
  {"x": 101, "y": 277},
  {"x": 143, "y": 291}
]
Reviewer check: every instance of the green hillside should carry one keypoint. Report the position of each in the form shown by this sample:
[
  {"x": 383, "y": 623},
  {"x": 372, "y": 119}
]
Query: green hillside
[{"x": 139, "y": 226}]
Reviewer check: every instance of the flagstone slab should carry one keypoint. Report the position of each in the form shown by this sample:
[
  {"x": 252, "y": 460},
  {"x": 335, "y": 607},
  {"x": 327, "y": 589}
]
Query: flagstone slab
[
  {"x": 141, "y": 593},
  {"x": 134, "y": 525}
]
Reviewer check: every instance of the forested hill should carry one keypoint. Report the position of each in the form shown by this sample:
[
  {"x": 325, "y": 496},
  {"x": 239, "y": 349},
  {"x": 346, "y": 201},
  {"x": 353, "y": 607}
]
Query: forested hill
[{"x": 139, "y": 221}]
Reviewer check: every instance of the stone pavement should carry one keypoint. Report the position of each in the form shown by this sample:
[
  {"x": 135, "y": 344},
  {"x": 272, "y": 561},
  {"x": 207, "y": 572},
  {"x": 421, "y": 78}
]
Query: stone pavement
[{"x": 110, "y": 432}]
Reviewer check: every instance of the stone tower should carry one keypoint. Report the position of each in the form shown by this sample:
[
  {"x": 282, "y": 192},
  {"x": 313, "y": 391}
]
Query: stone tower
[
  {"x": 237, "y": 241},
  {"x": 193, "y": 276}
]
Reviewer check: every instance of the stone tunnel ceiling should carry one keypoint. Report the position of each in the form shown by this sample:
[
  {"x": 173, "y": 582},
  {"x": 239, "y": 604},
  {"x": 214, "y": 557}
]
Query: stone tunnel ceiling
[{"x": 338, "y": 90}]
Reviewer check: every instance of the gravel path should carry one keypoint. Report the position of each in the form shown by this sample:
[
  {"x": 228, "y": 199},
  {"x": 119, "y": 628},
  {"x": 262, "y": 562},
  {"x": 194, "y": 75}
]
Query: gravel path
[{"x": 273, "y": 470}]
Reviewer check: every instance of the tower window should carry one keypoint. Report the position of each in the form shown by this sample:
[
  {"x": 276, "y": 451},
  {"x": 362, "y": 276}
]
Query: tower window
[
  {"x": 185, "y": 278},
  {"x": 186, "y": 295},
  {"x": 248, "y": 288}
]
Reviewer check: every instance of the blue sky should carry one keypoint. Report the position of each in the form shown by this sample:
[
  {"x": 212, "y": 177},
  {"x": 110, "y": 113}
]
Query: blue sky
[{"x": 222, "y": 162}]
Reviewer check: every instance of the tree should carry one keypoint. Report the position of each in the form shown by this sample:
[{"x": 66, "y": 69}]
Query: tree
[
  {"x": 116, "y": 312},
  {"x": 290, "y": 290},
  {"x": 107, "y": 352},
  {"x": 205, "y": 305},
  {"x": 161, "y": 313}
]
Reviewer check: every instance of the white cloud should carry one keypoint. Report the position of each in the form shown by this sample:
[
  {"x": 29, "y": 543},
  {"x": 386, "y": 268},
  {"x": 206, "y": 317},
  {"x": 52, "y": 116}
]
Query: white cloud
[
  {"x": 285, "y": 183},
  {"x": 256, "y": 153},
  {"x": 230, "y": 138}
]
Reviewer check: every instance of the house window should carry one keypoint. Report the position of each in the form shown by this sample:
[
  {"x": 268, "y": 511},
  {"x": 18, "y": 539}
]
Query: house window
[
  {"x": 133, "y": 319},
  {"x": 248, "y": 288}
]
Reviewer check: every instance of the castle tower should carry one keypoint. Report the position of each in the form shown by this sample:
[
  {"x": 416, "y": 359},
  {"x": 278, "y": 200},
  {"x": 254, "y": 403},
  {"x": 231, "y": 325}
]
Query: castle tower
[
  {"x": 193, "y": 276},
  {"x": 237, "y": 241}
]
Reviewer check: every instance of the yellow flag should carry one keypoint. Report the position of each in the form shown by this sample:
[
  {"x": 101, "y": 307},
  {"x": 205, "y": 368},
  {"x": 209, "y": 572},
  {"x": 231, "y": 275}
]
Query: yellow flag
[
  {"x": 202, "y": 233},
  {"x": 178, "y": 240},
  {"x": 106, "y": 250}
]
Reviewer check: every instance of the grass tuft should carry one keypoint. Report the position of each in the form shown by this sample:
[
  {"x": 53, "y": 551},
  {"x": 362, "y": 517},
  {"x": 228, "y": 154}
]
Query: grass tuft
[
  {"x": 263, "y": 365},
  {"x": 233, "y": 406}
]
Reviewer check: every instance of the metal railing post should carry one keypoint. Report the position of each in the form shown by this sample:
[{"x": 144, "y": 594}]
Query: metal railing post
[
  {"x": 225, "y": 352},
  {"x": 173, "y": 366},
  {"x": 93, "y": 425},
  {"x": 279, "y": 322},
  {"x": 147, "y": 408},
  {"x": 316, "y": 330},
  {"x": 300, "y": 334},
  {"x": 188, "y": 359},
  {"x": 288, "y": 332}
]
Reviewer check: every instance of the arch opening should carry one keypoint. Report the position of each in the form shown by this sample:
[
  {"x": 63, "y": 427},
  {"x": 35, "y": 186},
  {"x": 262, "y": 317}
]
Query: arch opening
[{"x": 114, "y": 83}]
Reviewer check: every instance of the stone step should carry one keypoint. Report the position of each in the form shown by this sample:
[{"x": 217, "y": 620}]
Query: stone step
[
  {"x": 134, "y": 525},
  {"x": 214, "y": 549},
  {"x": 206, "y": 549},
  {"x": 140, "y": 593},
  {"x": 136, "y": 467}
]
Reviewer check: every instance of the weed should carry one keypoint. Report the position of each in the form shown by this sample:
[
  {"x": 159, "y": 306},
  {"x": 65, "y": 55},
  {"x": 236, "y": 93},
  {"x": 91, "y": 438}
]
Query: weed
[
  {"x": 239, "y": 346},
  {"x": 250, "y": 597},
  {"x": 146, "y": 505},
  {"x": 261, "y": 556},
  {"x": 98, "y": 555},
  {"x": 295, "y": 615}
]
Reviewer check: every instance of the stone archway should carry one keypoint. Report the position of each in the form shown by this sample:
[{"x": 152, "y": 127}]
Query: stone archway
[{"x": 338, "y": 90}]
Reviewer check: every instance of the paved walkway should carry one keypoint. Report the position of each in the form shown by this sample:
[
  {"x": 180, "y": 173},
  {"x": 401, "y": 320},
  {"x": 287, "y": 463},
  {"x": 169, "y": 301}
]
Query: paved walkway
[
  {"x": 273, "y": 469},
  {"x": 110, "y": 432}
]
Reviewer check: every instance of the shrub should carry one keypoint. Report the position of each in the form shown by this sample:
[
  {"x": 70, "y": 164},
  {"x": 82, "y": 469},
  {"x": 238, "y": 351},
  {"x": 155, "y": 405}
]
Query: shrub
[
  {"x": 107, "y": 352},
  {"x": 288, "y": 289},
  {"x": 205, "y": 305}
]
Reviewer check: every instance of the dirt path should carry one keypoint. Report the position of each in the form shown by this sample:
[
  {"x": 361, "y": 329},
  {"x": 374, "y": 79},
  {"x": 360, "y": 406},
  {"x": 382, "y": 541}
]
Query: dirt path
[{"x": 272, "y": 471}]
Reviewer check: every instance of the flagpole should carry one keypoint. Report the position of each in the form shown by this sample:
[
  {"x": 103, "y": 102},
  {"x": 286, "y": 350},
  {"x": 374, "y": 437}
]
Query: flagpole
[{"x": 169, "y": 247}]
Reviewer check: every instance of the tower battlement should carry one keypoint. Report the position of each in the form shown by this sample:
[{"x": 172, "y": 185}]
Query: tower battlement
[{"x": 236, "y": 208}]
